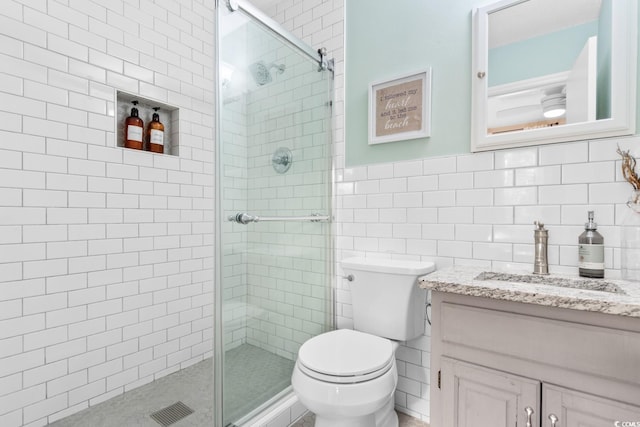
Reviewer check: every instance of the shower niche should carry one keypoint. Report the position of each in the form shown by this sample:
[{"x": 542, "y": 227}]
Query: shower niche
[{"x": 169, "y": 117}]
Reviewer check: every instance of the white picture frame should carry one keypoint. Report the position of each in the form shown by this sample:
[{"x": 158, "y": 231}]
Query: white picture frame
[{"x": 400, "y": 108}]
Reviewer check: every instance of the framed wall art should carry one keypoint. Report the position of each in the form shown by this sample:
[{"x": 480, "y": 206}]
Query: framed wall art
[{"x": 400, "y": 109}]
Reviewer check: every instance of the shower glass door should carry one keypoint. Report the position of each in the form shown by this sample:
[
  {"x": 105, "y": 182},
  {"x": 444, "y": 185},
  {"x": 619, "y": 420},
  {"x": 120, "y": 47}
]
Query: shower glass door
[{"x": 275, "y": 164}]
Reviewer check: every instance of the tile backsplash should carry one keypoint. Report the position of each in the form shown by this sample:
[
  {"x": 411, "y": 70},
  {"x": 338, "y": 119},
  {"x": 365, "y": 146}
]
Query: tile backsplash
[{"x": 479, "y": 208}]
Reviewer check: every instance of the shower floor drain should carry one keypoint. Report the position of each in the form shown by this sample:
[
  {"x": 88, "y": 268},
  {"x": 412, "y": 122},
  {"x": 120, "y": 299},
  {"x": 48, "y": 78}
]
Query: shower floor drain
[{"x": 171, "y": 414}]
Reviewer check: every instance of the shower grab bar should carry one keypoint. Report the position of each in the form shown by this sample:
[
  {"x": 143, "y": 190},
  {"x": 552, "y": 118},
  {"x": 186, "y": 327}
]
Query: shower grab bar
[{"x": 245, "y": 218}]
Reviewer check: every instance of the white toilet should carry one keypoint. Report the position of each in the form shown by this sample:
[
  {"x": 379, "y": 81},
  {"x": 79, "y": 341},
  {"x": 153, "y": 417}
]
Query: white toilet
[{"x": 348, "y": 377}]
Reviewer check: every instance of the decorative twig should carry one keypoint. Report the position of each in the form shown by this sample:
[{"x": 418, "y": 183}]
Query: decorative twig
[{"x": 628, "y": 168}]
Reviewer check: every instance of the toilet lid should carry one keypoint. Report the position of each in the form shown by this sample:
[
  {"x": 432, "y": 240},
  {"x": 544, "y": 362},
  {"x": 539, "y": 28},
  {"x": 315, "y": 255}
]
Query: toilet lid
[{"x": 347, "y": 353}]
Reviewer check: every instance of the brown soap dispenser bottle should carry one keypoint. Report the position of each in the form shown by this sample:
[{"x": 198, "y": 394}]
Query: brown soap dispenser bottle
[
  {"x": 155, "y": 134},
  {"x": 133, "y": 129}
]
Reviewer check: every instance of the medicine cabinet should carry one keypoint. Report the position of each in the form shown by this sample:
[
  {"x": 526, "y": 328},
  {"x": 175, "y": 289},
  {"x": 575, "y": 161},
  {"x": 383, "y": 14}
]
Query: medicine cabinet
[{"x": 545, "y": 71}]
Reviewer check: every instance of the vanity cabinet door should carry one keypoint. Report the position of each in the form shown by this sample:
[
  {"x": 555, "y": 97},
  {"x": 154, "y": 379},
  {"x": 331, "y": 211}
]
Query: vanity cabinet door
[
  {"x": 574, "y": 409},
  {"x": 476, "y": 396}
]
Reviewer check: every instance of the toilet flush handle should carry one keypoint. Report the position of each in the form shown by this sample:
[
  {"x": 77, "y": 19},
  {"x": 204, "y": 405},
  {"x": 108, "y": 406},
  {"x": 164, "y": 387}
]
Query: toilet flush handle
[{"x": 349, "y": 277}]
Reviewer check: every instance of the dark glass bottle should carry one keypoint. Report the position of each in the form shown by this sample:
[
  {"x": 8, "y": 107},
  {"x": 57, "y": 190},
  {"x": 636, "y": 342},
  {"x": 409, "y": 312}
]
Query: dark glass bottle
[
  {"x": 155, "y": 134},
  {"x": 133, "y": 129}
]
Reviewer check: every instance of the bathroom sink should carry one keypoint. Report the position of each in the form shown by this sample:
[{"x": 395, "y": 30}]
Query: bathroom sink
[{"x": 564, "y": 282}]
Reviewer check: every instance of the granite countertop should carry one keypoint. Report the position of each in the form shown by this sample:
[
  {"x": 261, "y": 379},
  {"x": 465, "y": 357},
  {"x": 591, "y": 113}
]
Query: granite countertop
[{"x": 615, "y": 297}]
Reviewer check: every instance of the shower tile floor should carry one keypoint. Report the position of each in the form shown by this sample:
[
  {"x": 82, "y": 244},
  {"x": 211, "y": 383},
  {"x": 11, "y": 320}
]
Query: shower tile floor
[{"x": 254, "y": 373}]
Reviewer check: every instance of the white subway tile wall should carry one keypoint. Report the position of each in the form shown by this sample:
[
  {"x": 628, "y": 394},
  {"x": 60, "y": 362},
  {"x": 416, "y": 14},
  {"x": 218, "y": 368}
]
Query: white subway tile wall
[
  {"x": 320, "y": 23},
  {"x": 106, "y": 255}
]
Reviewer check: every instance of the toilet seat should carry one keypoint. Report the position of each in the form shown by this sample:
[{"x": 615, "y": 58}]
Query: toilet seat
[{"x": 346, "y": 356}]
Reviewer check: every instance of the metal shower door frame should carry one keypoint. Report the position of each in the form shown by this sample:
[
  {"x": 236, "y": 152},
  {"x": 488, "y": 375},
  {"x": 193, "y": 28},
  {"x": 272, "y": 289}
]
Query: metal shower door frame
[{"x": 319, "y": 55}]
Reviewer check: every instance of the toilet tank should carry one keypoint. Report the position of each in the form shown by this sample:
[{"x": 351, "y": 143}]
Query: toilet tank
[{"x": 385, "y": 296}]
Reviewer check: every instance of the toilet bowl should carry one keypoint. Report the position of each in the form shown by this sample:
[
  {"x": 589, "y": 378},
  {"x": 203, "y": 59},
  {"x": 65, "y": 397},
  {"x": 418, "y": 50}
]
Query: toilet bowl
[{"x": 348, "y": 377}]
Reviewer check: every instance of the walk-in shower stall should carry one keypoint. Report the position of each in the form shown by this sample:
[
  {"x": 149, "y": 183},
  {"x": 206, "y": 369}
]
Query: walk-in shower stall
[{"x": 273, "y": 230}]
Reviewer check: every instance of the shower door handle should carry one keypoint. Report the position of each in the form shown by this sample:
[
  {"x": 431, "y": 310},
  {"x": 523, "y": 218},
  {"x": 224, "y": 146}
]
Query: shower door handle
[
  {"x": 245, "y": 218},
  {"x": 242, "y": 218}
]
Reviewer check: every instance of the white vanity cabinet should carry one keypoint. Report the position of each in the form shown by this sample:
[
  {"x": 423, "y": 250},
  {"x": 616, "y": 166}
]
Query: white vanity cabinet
[
  {"x": 475, "y": 396},
  {"x": 574, "y": 409},
  {"x": 493, "y": 361}
]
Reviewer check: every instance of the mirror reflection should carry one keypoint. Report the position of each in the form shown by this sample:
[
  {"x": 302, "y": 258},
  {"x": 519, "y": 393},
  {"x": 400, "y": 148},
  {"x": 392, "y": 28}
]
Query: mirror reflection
[{"x": 549, "y": 64}]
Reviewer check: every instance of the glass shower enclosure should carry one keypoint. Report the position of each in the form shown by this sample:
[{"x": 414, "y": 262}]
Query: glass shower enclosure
[{"x": 273, "y": 231}]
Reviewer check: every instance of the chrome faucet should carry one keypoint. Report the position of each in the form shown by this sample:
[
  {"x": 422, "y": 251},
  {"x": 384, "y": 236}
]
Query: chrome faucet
[{"x": 540, "y": 237}]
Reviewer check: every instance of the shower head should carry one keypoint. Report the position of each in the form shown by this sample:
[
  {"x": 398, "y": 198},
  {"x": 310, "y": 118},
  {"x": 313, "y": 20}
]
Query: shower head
[{"x": 261, "y": 72}]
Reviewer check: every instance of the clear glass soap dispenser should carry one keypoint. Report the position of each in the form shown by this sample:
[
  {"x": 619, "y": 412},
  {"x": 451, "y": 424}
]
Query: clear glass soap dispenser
[{"x": 591, "y": 251}]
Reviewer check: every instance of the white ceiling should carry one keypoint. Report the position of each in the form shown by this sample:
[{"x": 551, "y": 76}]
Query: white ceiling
[{"x": 536, "y": 17}]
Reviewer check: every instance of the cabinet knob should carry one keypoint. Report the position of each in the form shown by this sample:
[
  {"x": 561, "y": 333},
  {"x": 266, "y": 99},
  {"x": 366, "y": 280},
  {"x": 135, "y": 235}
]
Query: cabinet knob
[
  {"x": 529, "y": 411},
  {"x": 553, "y": 419}
]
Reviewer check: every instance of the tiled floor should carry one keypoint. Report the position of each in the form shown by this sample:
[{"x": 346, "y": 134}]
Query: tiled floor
[
  {"x": 192, "y": 386},
  {"x": 405, "y": 421},
  {"x": 254, "y": 375}
]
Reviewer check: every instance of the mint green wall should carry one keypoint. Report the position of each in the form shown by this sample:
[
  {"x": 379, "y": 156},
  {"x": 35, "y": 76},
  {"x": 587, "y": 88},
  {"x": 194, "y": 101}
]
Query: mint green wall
[
  {"x": 385, "y": 39},
  {"x": 531, "y": 58},
  {"x": 388, "y": 38}
]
